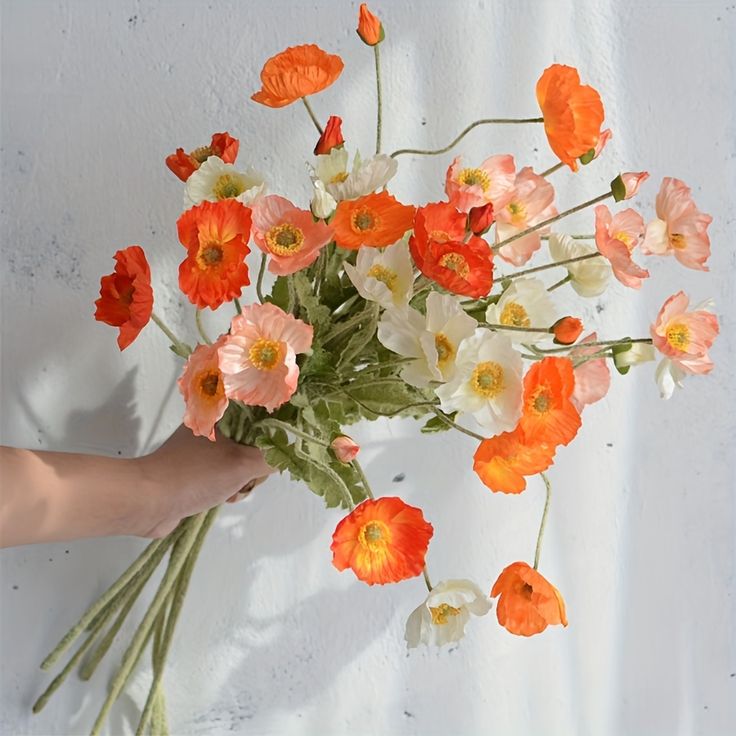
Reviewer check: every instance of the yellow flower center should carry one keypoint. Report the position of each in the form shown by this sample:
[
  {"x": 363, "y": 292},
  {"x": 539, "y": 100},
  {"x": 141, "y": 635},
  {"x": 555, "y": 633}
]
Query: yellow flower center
[
  {"x": 209, "y": 256},
  {"x": 264, "y": 354},
  {"x": 200, "y": 155},
  {"x": 442, "y": 613},
  {"x": 474, "y": 177},
  {"x": 227, "y": 186},
  {"x": 455, "y": 262},
  {"x": 517, "y": 212},
  {"x": 384, "y": 275},
  {"x": 541, "y": 401},
  {"x": 487, "y": 379},
  {"x": 514, "y": 315},
  {"x": 626, "y": 239},
  {"x": 363, "y": 219},
  {"x": 285, "y": 239},
  {"x": 445, "y": 349},
  {"x": 374, "y": 535},
  {"x": 439, "y": 236},
  {"x": 209, "y": 383},
  {"x": 678, "y": 241},
  {"x": 339, "y": 177},
  {"x": 678, "y": 336}
]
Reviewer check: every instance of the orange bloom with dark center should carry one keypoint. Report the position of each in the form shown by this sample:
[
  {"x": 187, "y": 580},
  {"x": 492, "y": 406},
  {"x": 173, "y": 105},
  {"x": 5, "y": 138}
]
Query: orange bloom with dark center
[
  {"x": 296, "y": 72},
  {"x": 375, "y": 220},
  {"x": 548, "y": 412},
  {"x": 332, "y": 136},
  {"x": 528, "y": 603},
  {"x": 126, "y": 297},
  {"x": 382, "y": 541},
  {"x": 215, "y": 235},
  {"x": 573, "y": 113},
  {"x": 222, "y": 145},
  {"x": 369, "y": 28},
  {"x": 503, "y": 461}
]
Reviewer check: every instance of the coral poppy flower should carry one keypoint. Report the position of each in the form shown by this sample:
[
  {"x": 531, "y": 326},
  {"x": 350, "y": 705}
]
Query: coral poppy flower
[
  {"x": 592, "y": 378},
  {"x": 501, "y": 462},
  {"x": 296, "y": 72},
  {"x": 331, "y": 137},
  {"x": 126, "y": 297},
  {"x": 289, "y": 235},
  {"x": 203, "y": 389},
  {"x": 616, "y": 236},
  {"x": 222, "y": 145},
  {"x": 382, "y": 541},
  {"x": 573, "y": 113},
  {"x": 441, "y": 222},
  {"x": 528, "y": 602},
  {"x": 492, "y": 182},
  {"x": 375, "y": 220},
  {"x": 680, "y": 229},
  {"x": 215, "y": 235},
  {"x": 548, "y": 414},
  {"x": 258, "y": 359}
]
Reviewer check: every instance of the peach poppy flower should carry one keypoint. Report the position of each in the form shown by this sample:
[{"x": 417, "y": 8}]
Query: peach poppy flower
[
  {"x": 331, "y": 137},
  {"x": 296, "y": 72},
  {"x": 290, "y": 236},
  {"x": 258, "y": 358},
  {"x": 616, "y": 236},
  {"x": 681, "y": 228},
  {"x": 530, "y": 201},
  {"x": 126, "y": 297},
  {"x": 203, "y": 390},
  {"x": 549, "y": 414},
  {"x": 572, "y": 112},
  {"x": 528, "y": 603},
  {"x": 375, "y": 220},
  {"x": 492, "y": 182},
  {"x": 222, "y": 145},
  {"x": 215, "y": 235},
  {"x": 382, "y": 541},
  {"x": 503, "y": 461},
  {"x": 592, "y": 378}
]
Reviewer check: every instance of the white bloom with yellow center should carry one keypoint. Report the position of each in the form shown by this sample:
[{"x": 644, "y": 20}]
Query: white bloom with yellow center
[
  {"x": 365, "y": 178},
  {"x": 487, "y": 382},
  {"x": 433, "y": 340},
  {"x": 383, "y": 275},
  {"x": 589, "y": 277},
  {"x": 442, "y": 617},
  {"x": 526, "y": 303},
  {"x": 215, "y": 180}
]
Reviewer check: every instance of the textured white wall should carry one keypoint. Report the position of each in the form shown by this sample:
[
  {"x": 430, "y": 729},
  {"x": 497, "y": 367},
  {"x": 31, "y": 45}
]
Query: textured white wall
[{"x": 274, "y": 641}]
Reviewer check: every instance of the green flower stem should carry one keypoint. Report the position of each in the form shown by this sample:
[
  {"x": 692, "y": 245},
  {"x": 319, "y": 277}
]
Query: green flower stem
[
  {"x": 538, "y": 549},
  {"x": 463, "y": 133},
  {"x": 552, "y": 169},
  {"x": 278, "y": 424},
  {"x": 621, "y": 341},
  {"x": 544, "y": 267},
  {"x": 312, "y": 115},
  {"x": 145, "y": 629},
  {"x": 179, "y": 593},
  {"x": 348, "y": 325},
  {"x": 159, "y": 724},
  {"x": 514, "y": 328},
  {"x": 200, "y": 326},
  {"x": 180, "y": 348},
  {"x": 259, "y": 281},
  {"x": 444, "y": 418},
  {"x": 605, "y": 353},
  {"x": 293, "y": 301},
  {"x": 427, "y": 581},
  {"x": 346, "y": 305},
  {"x": 574, "y": 237},
  {"x": 379, "y": 100},
  {"x": 550, "y": 220},
  {"x": 559, "y": 283},
  {"x": 363, "y": 478}
]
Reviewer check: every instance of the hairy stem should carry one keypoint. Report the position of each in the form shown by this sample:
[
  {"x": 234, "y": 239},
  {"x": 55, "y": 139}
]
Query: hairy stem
[
  {"x": 200, "y": 326},
  {"x": 180, "y": 348},
  {"x": 544, "y": 267},
  {"x": 538, "y": 549},
  {"x": 379, "y": 98},
  {"x": 312, "y": 115},
  {"x": 259, "y": 280}
]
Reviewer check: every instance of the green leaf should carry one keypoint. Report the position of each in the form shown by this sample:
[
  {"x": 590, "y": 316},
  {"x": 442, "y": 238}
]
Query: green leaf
[
  {"x": 388, "y": 397},
  {"x": 317, "y": 314},
  {"x": 280, "y": 293},
  {"x": 435, "y": 424}
]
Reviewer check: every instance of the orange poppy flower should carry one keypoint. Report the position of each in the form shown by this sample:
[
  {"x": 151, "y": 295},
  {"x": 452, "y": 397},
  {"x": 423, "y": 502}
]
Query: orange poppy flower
[
  {"x": 549, "y": 414},
  {"x": 222, "y": 145},
  {"x": 573, "y": 113},
  {"x": 215, "y": 235},
  {"x": 382, "y": 541},
  {"x": 296, "y": 72},
  {"x": 501, "y": 462},
  {"x": 375, "y": 220},
  {"x": 528, "y": 603},
  {"x": 126, "y": 297}
]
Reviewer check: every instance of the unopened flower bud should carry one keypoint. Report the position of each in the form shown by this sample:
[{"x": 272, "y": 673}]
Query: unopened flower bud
[
  {"x": 331, "y": 138},
  {"x": 323, "y": 203},
  {"x": 345, "y": 448},
  {"x": 632, "y": 181},
  {"x": 480, "y": 219},
  {"x": 567, "y": 330},
  {"x": 632, "y": 353},
  {"x": 370, "y": 28}
]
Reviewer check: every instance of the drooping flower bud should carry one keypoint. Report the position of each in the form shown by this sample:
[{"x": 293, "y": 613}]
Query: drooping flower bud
[
  {"x": 370, "y": 28},
  {"x": 567, "y": 330},
  {"x": 331, "y": 138},
  {"x": 480, "y": 219},
  {"x": 345, "y": 448},
  {"x": 632, "y": 181}
]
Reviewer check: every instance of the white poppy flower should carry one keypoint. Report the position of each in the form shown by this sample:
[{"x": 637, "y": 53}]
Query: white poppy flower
[
  {"x": 442, "y": 617},
  {"x": 487, "y": 382},
  {"x": 365, "y": 178},
  {"x": 589, "y": 277},
  {"x": 323, "y": 203},
  {"x": 215, "y": 180},
  {"x": 526, "y": 303},
  {"x": 639, "y": 352},
  {"x": 668, "y": 376}
]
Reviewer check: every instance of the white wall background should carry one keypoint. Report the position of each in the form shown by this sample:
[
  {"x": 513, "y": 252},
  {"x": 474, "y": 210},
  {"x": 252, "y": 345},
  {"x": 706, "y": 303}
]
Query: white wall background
[{"x": 95, "y": 93}]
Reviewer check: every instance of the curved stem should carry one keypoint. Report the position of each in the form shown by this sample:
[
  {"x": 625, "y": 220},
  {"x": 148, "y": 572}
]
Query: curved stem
[
  {"x": 278, "y": 424},
  {"x": 179, "y": 347},
  {"x": 559, "y": 283},
  {"x": 312, "y": 115},
  {"x": 544, "y": 520},
  {"x": 444, "y": 418},
  {"x": 622, "y": 341},
  {"x": 427, "y": 581},
  {"x": 238, "y": 308},
  {"x": 552, "y": 169},
  {"x": 514, "y": 328},
  {"x": 259, "y": 280},
  {"x": 536, "y": 269},
  {"x": 462, "y": 134},
  {"x": 200, "y": 326},
  {"x": 379, "y": 99},
  {"x": 363, "y": 478}
]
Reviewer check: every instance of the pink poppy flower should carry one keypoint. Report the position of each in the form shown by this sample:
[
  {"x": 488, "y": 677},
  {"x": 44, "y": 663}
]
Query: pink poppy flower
[
  {"x": 203, "y": 390},
  {"x": 603, "y": 139},
  {"x": 531, "y": 201},
  {"x": 616, "y": 236},
  {"x": 592, "y": 378},
  {"x": 632, "y": 181},
  {"x": 681, "y": 228},
  {"x": 258, "y": 358},
  {"x": 492, "y": 182},
  {"x": 287, "y": 234}
]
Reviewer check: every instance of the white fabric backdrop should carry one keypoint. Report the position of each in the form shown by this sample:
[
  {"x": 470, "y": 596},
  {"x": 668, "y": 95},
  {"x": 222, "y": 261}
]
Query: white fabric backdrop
[{"x": 274, "y": 640}]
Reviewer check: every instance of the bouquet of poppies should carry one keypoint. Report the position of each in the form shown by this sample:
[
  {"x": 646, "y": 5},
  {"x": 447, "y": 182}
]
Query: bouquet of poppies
[{"x": 379, "y": 308}]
